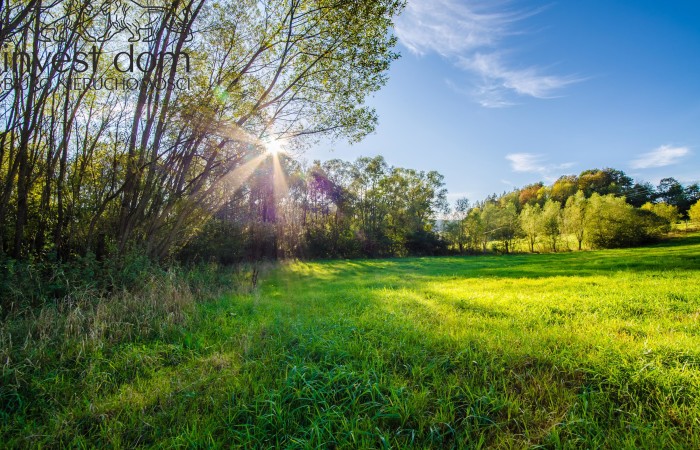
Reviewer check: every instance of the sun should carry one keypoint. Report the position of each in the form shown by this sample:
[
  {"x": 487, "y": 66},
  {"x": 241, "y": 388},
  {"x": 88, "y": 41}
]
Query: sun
[{"x": 274, "y": 147}]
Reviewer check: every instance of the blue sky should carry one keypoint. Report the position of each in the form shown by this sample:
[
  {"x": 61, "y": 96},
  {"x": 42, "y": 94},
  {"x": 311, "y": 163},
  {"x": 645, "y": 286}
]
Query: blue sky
[{"x": 496, "y": 95}]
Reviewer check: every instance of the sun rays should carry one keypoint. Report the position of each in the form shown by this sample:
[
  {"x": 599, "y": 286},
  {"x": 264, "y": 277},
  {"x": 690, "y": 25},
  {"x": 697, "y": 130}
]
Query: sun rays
[
  {"x": 268, "y": 161},
  {"x": 274, "y": 148}
]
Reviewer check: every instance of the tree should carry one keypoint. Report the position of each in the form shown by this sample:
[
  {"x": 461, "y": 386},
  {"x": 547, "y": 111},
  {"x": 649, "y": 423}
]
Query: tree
[
  {"x": 490, "y": 223},
  {"x": 530, "y": 218},
  {"x": 603, "y": 182},
  {"x": 413, "y": 200},
  {"x": 619, "y": 183},
  {"x": 574, "y": 216},
  {"x": 455, "y": 228},
  {"x": 551, "y": 222},
  {"x": 528, "y": 194},
  {"x": 670, "y": 191},
  {"x": 269, "y": 78},
  {"x": 507, "y": 225},
  {"x": 694, "y": 213},
  {"x": 692, "y": 195},
  {"x": 641, "y": 193},
  {"x": 592, "y": 181},
  {"x": 452, "y": 233},
  {"x": 476, "y": 230},
  {"x": 564, "y": 187}
]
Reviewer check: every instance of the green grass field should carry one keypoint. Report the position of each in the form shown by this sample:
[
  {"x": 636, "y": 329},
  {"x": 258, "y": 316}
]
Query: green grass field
[{"x": 574, "y": 350}]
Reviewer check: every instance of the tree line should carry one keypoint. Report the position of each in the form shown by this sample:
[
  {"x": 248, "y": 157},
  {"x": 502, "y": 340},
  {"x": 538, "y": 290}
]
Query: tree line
[
  {"x": 600, "y": 208},
  {"x": 334, "y": 209},
  {"x": 366, "y": 208}
]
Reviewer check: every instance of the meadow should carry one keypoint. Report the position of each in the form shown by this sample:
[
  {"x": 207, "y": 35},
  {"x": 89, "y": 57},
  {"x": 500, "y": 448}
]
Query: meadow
[{"x": 595, "y": 349}]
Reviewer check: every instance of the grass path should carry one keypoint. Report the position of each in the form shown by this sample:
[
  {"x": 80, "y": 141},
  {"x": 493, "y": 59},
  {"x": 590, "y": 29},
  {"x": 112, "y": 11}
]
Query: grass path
[{"x": 576, "y": 350}]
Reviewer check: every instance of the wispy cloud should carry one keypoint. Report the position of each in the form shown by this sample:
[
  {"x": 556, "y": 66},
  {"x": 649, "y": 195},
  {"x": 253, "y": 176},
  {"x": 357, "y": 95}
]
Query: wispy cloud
[
  {"x": 665, "y": 155},
  {"x": 531, "y": 163},
  {"x": 469, "y": 33},
  {"x": 524, "y": 162},
  {"x": 451, "y": 27}
]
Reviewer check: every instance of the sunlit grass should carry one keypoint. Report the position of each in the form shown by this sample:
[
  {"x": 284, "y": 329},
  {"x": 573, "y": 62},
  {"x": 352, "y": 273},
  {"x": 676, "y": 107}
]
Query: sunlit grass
[{"x": 575, "y": 350}]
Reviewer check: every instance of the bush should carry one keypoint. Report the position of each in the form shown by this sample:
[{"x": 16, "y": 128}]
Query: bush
[
  {"x": 219, "y": 241},
  {"x": 425, "y": 243},
  {"x": 668, "y": 213},
  {"x": 614, "y": 223}
]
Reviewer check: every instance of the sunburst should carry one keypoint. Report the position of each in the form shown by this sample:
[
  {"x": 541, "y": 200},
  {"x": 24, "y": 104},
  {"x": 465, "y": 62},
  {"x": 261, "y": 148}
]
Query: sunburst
[{"x": 274, "y": 146}]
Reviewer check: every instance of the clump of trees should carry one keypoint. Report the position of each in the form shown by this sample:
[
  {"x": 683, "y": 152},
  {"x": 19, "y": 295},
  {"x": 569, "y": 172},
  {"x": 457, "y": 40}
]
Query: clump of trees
[
  {"x": 87, "y": 167},
  {"x": 601, "y": 208},
  {"x": 328, "y": 210}
]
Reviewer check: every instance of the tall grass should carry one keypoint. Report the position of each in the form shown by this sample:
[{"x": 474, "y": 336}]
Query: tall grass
[{"x": 60, "y": 336}]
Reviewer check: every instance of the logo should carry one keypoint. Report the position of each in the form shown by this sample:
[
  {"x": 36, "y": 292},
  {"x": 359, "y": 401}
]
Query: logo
[
  {"x": 84, "y": 39},
  {"x": 138, "y": 21}
]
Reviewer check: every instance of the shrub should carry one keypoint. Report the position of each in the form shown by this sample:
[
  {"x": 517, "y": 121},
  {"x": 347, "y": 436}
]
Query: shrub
[
  {"x": 614, "y": 223},
  {"x": 669, "y": 213}
]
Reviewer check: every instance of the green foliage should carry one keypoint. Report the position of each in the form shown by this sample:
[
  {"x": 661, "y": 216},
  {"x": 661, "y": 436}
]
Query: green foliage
[
  {"x": 29, "y": 286},
  {"x": 604, "y": 182},
  {"x": 574, "y": 216},
  {"x": 668, "y": 213},
  {"x": 507, "y": 225},
  {"x": 575, "y": 350},
  {"x": 35, "y": 282},
  {"x": 530, "y": 218},
  {"x": 324, "y": 243},
  {"x": 219, "y": 241},
  {"x": 422, "y": 242},
  {"x": 694, "y": 213},
  {"x": 365, "y": 208},
  {"x": 565, "y": 187},
  {"x": 614, "y": 223},
  {"x": 539, "y": 218},
  {"x": 453, "y": 232},
  {"x": 551, "y": 222},
  {"x": 641, "y": 193},
  {"x": 671, "y": 192}
]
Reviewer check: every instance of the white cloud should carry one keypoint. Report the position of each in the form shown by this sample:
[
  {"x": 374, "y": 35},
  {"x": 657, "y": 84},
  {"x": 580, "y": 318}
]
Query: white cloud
[
  {"x": 525, "y": 162},
  {"x": 531, "y": 163},
  {"x": 469, "y": 33},
  {"x": 529, "y": 81},
  {"x": 488, "y": 96},
  {"x": 450, "y": 27},
  {"x": 665, "y": 155}
]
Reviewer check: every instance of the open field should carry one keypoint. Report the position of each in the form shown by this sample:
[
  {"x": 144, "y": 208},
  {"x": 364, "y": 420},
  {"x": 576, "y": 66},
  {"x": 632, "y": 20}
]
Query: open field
[{"x": 575, "y": 350}]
